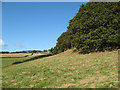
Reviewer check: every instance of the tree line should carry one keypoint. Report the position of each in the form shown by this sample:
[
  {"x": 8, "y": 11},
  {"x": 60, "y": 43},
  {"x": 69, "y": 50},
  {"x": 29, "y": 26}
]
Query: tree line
[
  {"x": 96, "y": 27},
  {"x": 27, "y": 51}
]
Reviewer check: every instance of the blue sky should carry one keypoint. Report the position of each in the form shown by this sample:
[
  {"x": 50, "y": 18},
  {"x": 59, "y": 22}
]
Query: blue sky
[{"x": 35, "y": 26}]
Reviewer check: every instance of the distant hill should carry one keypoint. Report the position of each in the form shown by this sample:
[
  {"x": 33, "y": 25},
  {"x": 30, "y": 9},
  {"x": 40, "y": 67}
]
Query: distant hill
[
  {"x": 27, "y": 51},
  {"x": 96, "y": 27}
]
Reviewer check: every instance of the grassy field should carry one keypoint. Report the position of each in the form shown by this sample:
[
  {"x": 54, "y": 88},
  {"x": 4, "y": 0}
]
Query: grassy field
[
  {"x": 11, "y": 55},
  {"x": 15, "y": 55},
  {"x": 8, "y": 61},
  {"x": 65, "y": 70},
  {"x": 17, "y": 60}
]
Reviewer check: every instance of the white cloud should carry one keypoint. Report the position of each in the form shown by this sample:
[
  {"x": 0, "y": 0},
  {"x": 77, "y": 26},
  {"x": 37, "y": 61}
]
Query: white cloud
[
  {"x": 19, "y": 45},
  {"x": 2, "y": 43}
]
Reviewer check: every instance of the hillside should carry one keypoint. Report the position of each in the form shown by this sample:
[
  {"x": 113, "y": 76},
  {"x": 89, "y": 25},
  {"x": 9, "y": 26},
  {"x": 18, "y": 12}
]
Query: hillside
[{"x": 65, "y": 70}]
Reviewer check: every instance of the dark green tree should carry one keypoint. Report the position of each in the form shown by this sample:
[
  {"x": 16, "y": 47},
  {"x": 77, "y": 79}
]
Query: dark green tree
[{"x": 96, "y": 27}]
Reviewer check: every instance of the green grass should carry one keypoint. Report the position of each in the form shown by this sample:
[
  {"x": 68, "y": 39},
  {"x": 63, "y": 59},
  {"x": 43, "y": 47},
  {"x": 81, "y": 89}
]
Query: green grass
[
  {"x": 9, "y": 61},
  {"x": 65, "y": 70}
]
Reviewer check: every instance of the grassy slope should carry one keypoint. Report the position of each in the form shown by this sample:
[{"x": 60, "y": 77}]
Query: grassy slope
[
  {"x": 65, "y": 70},
  {"x": 9, "y": 61}
]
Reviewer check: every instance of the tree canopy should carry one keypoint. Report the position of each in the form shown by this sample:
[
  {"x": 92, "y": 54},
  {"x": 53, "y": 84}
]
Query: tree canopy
[{"x": 96, "y": 27}]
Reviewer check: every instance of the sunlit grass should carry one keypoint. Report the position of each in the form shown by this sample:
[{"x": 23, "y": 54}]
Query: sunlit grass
[
  {"x": 9, "y": 61},
  {"x": 65, "y": 70}
]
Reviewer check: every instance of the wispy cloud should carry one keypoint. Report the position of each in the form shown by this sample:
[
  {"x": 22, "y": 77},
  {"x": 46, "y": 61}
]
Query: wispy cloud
[
  {"x": 19, "y": 45},
  {"x": 2, "y": 43}
]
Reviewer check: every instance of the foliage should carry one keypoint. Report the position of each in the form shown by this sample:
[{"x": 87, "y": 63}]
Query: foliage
[
  {"x": 96, "y": 27},
  {"x": 28, "y": 51},
  {"x": 4, "y": 52}
]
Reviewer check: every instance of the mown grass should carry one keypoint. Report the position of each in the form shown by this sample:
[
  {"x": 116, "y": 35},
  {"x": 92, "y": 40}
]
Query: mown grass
[{"x": 65, "y": 70}]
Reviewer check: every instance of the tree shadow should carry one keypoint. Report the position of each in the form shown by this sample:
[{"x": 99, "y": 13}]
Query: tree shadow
[{"x": 33, "y": 58}]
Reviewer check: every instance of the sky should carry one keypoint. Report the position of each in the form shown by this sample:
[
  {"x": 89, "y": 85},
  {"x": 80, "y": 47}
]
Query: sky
[{"x": 35, "y": 25}]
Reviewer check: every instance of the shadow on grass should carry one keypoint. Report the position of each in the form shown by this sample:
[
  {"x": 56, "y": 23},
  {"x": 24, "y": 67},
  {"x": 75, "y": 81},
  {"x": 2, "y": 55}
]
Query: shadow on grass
[
  {"x": 31, "y": 59},
  {"x": 11, "y": 57}
]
